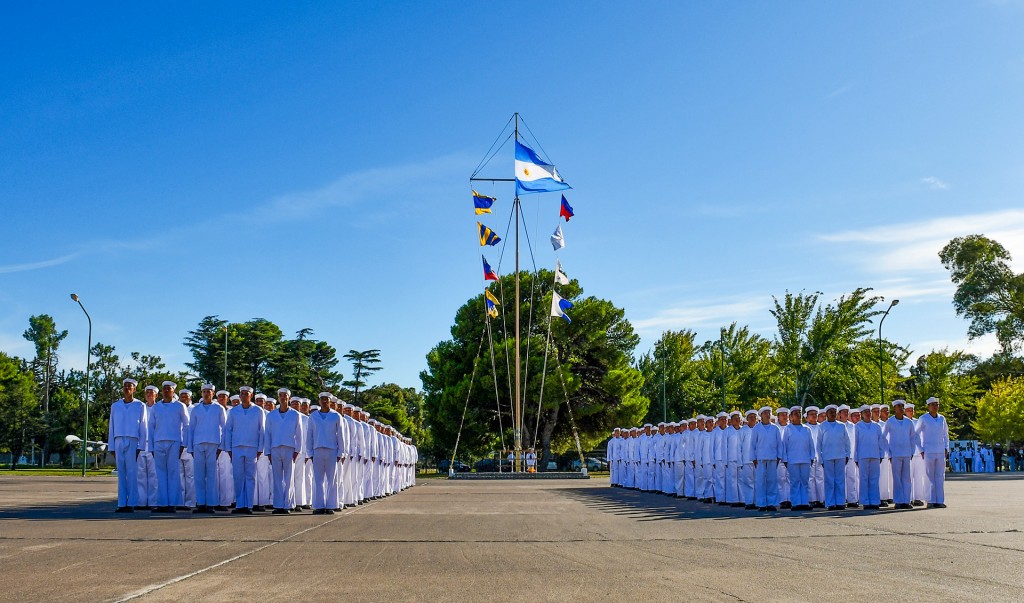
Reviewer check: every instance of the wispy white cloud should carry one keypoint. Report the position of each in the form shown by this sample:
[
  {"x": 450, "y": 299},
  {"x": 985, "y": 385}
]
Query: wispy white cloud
[
  {"x": 38, "y": 265},
  {"x": 913, "y": 247},
  {"x": 703, "y": 313},
  {"x": 839, "y": 91},
  {"x": 982, "y": 347},
  {"x": 934, "y": 183}
]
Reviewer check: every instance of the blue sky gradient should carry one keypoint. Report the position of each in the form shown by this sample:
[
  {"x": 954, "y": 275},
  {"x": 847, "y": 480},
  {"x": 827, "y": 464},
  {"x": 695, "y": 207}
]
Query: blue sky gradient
[{"x": 309, "y": 164}]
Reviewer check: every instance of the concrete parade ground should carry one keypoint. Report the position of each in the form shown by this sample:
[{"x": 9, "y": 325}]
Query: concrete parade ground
[{"x": 571, "y": 540}]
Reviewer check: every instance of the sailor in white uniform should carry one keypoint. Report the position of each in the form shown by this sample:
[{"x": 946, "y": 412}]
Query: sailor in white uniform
[
  {"x": 845, "y": 417},
  {"x": 868, "y": 456},
  {"x": 885, "y": 467},
  {"x": 719, "y": 455},
  {"x": 324, "y": 444},
  {"x": 834, "y": 452},
  {"x": 127, "y": 435},
  {"x": 264, "y": 497},
  {"x": 746, "y": 475},
  {"x": 919, "y": 487},
  {"x": 244, "y": 443},
  {"x": 733, "y": 460},
  {"x": 934, "y": 436},
  {"x": 767, "y": 448},
  {"x": 816, "y": 483},
  {"x": 168, "y": 434},
  {"x": 188, "y": 467},
  {"x": 225, "y": 472},
  {"x": 782, "y": 422},
  {"x": 146, "y": 470},
  {"x": 206, "y": 433},
  {"x": 901, "y": 443},
  {"x": 283, "y": 442}
]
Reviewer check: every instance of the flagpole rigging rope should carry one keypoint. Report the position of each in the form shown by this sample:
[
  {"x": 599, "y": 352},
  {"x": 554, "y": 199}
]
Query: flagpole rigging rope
[
  {"x": 495, "y": 147},
  {"x": 529, "y": 327},
  {"x": 469, "y": 393},
  {"x": 543, "y": 376},
  {"x": 572, "y": 421},
  {"x": 504, "y": 323},
  {"x": 497, "y": 399}
]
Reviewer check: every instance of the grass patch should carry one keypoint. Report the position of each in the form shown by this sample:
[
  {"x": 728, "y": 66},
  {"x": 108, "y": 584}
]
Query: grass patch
[{"x": 55, "y": 472}]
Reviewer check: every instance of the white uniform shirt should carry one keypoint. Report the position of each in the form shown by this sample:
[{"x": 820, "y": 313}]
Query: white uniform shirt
[
  {"x": 934, "y": 434},
  {"x": 326, "y": 432},
  {"x": 244, "y": 427},
  {"x": 129, "y": 420},
  {"x": 283, "y": 429},
  {"x": 870, "y": 444},
  {"x": 206, "y": 425},
  {"x": 833, "y": 441},
  {"x": 766, "y": 443},
  {"x": 799, "y": 441},
  {"x": 168, "y": 422},
  {"x": 900, "y": 437}
]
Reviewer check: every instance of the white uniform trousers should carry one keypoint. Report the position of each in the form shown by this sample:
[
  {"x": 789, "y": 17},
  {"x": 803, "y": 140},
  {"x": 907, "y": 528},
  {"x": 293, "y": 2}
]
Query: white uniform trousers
[
  {"x": 816, "y": 483},
  {"x": 935, "y": 470},
  {"x": 852, "y": 482},
  {"x": 784, "y": 484},
  {"x": 719, "y": 477},
  {"x": 766, "y": 483},
  {"x": 307, "y": 483},
  {"x": 799, "y": 483},
  {"x": 283, "y": 467},
  {"x": 835, "y": 482},
  {"x": 679, "y": 478},
  {"x": 264, "y": 482},
  {"x": 298, "y": 496},
  {"x": 689, "y": 471},
  {"x": 168, "y": 473},
  {"x": 747, "y": 483},
  {"x": 868, "y": 486},
  {"x": 225, "y": 480},
  {"x": 341, "y": 476},
  {"x": 919, "y": 478},
  {"x": 668, "y": 477},
  {"x": 885, "y": 479},
  {"x": 709, "y": 481},
  {"x": 127, "y": 474},
  {"x": 732, "y": 483},
  {"x": 648, "y": 476},
  {"x": 188, "y": 479},
  {"x": 243, "y": 465},
  {"x": 325, "y": 479},
  {"x": 901, "y": 483},
  {"x": 205, "y": 459},
  {"x": 145, "y": 472}
]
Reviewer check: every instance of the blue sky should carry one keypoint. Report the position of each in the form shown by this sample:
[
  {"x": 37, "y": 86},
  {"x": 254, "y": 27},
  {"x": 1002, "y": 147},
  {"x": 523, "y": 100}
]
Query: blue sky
[{"x": 309, "y": 163}]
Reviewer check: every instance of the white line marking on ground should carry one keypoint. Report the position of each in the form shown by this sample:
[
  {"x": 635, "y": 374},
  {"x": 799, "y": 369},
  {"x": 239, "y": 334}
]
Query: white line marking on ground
[{"x": 155, "y": 587}]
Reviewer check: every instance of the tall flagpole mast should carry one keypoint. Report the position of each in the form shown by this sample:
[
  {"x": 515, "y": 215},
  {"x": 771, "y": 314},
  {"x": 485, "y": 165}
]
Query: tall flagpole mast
[{"x": 517, "y": 419}]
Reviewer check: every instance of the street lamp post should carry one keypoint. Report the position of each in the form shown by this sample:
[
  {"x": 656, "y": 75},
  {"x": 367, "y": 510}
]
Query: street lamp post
[
  {"x": 721, "y": 342},
  {"x": 881, "y": 356},
  {"x": 88, "y": 373},
  {"x": 225, "y": 357}
]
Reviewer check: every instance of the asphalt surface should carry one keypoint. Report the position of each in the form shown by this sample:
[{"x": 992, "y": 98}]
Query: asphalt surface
[{"x": 502, "y": 541}]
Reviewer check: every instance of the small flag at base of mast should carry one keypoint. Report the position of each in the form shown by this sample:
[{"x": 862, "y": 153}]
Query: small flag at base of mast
[{"x": 492, "y": 304}]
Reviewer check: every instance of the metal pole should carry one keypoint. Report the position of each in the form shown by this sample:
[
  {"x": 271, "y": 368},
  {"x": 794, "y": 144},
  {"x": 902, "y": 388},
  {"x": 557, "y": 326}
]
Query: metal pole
[
  {"x": 88, "y": 373},
  {"x": 664, "y": 400},
  {"x": 515, "y": 419},
  {"x": 225, "y": 357},
  {"x": 881, "y": 364},
  {"x": 721, "y": 342}
]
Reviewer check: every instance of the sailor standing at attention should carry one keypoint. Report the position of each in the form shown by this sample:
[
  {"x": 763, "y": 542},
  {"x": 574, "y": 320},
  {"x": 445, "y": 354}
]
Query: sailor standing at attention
[
  {"x": 733, "y": 460},
  {"x": 766, "y": 445},
  {"x": 168, "y": 434},
  {"x": 324, "y": 443},
  {"x": 834, "y": 451},
  {"x": 782, "y": 418},
  {"x": 283, "y": 444},
  {"x": 146, "y": 470},
  {"x": 128, "y": 435},
  {"x": 868, "y": 449},
  {"x": 934, "y": 434},
  {"x": 188, "y": 466},
  {"x": 800, "y": 455},
  {"x": 919, "y": 483},
  {"x": 243, "y": 441},
  {"x": 646, "y": 446},
  {"x": 816, "y": 483},
  {"x": 901, "y": 442},
  {"x": 206, "y": 432},
  {"x": 225, "y": 477},
  {"x": 264, "y": 496},
  {"x": 746, "y": 477},
  {"x": 719, "y": 454}
]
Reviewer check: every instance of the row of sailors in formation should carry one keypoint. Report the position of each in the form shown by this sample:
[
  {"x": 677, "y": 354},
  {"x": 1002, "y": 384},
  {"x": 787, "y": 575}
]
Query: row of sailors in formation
[
  {"x": 964, "y": 460},
  {"x": 801, "y": 458},
  {"x": 245, "y": 452}
]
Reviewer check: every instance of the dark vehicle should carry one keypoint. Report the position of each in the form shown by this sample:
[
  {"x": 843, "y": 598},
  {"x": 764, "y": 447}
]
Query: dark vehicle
[
  {"x": 486, "y": 466},
  {"x": 459, "y": 466},
  {"x": 593, "y": 464}
]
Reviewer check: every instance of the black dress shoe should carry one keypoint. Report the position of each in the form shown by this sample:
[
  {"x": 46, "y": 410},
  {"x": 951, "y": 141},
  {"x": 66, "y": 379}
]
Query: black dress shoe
[
  {"x": 281, "y": 512},
  {"x": 124, "y": 510},
  {"x": 330, "y": 512},
  {"x": 220, "y": 508},
  {"x": 762, "y": 509},
  {"x": 199, "y": 509},
  {"x": 852, "y": 505},
  {"x": 785, "y": 505},
  {"x": 246, "y": 511},
  {"x": 749, "y": 507},
  {"x": 236, "y": 511},
  {"x": 259, "y": 508},
  {"x": 307, "y": 507},
  {"x": 143, "y": 508},
  {"x": 772, "y": 508},
  {"x": 723, "y": 504},
  {"x": 182, "y": 508},
  {"x": 818, "y": 505},
  {"x": 871, "y": 507},
  {"x": 940, "y": 505},
  {"x": 737, "y": 505},
  {"x": 917, "y": 503},
  {"x": 884, "y": 505},
  {"x": 319, "y": 511},
  {"x": 338, "y": 509}
]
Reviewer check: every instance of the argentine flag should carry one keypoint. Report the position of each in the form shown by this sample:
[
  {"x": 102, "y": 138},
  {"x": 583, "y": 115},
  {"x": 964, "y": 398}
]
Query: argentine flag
[{"x": 533, "y": 175}]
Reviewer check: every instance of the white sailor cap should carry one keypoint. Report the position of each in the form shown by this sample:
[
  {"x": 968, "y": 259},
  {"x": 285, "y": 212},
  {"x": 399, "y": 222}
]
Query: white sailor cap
[
  {"x": 314, "y": 407},
  {"x": 735, "y": 413},
  {"x": 325, "y": 395},
  {"x": 750, "y": 412},
  {"x": 812, "y": 408},
  {"x": 304, "y": 401},
  {"x": 883, "y": 407},
  {"x": 235, "y": 397},
  {"x": 152, "y": 388},
  {"x": 831, "y": 407},
  {"x": 864, "y": 408},
  {"x": 184, "y": 392},
  {"x": 648, "y": 425},
  {"x": 655, "y": 428},
  {"x": 294, "y": 399},
  {"x": 284, "y": 390},
  {"x": 223, "y": 392},
  {"x": 261, "y": 396},
  {"x": 932, "y": 400},
  {"x": 722, "y": 415},
  {"x": 896, "y": 403},
  {"x": 874, "y": 406},
  {"x": 782, "y": 410},
  {"x": 169, "y": 384},
  {"x": 767, "y": 409},
  {"x": 130, "y": 380},
  {"x": 616, "y": 429},
  {"x": 208, "y": 386},
  {"x": 693, "y": 420},
  {"x": 908, "y": 405},
  {"x": 701, "y": 417},
  {"x": 245, "y": 388},
  {"x": 844, "y": 407},
  {"x": 795, "y": 409}
]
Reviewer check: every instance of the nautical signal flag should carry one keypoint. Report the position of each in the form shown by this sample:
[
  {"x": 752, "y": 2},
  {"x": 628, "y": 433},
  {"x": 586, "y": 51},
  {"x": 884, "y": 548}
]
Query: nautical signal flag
[
  {"x": 489, "y": 274},
  {"x": 492, "y": 304},
  {"x": 487, "y": 236},
  {"x": 482, "y": 203},
  {"x": 560, "y": 277},
  {"x": 566, "y": 210},
  {"x": 534, "y": 175},
  {"x": 560, "y": 306},
  {"x": 557, "y": 239}
]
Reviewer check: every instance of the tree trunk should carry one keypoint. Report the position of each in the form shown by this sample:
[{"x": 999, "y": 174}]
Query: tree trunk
[{"x": 547, "y": 429}]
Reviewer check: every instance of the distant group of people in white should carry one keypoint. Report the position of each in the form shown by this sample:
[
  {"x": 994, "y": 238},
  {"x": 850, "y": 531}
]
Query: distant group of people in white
[
  {"x": 245, "y": 453},
  {"x": 985, "y": 458},
  {"x": 791, "y": 458}
]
